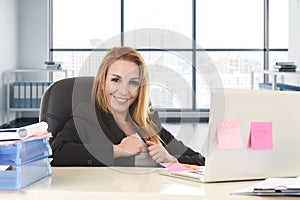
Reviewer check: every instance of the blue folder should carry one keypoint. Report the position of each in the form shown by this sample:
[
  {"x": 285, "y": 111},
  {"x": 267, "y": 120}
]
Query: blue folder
[
  {"x": 27, "y": 162},
  {"x": 19, "y": 177},
  {"x": 25, "y": 151}
]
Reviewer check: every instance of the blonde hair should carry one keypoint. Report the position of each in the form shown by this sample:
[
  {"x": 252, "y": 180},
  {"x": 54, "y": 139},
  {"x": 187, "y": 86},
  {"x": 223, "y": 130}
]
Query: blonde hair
[{"x": 140, "y": 110}]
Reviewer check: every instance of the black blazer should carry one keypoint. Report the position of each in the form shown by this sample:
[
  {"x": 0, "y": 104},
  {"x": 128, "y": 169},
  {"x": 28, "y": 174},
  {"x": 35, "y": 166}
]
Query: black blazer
[{"x": 88, "y": 136}]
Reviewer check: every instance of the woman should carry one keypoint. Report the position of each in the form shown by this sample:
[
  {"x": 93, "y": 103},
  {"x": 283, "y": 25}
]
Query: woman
[{"x": 119, "y": 128}]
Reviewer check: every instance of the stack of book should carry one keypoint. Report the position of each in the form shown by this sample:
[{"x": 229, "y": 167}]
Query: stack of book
[
  {"x": 286, "y": 66},
  {"x": 24, "y": 156},
  {"x": 52, "y": 65}
]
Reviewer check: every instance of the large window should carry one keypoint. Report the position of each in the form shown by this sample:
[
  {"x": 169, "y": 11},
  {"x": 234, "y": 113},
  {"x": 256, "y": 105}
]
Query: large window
[
  {"x": 83, "y": 24},
  {"x": 190, "y": 46}
]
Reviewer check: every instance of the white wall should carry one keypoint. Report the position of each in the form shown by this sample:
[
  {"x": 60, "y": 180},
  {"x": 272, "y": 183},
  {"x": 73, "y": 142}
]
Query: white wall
[
  {"x": 23, "y": 39},
  {"x": 33, "y": 39},
  {"x": 33, "y": 33},
  {"x": 294, "y": 31},
  {"x": 8, "y": 47}
]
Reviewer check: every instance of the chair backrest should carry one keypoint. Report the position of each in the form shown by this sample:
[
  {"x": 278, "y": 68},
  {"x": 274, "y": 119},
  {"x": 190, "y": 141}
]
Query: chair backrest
[{"x": 58, "y": 100}]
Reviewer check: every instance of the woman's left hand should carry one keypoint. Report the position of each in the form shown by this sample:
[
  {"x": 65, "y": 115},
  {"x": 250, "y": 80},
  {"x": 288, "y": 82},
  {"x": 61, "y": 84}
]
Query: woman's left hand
[{"x": 159, "y": 154}]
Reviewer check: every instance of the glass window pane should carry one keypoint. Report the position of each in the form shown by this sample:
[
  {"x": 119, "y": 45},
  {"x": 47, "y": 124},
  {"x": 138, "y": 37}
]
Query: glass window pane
[
  {"x": 170, "y": 79},
  {"x": 80, "y": 63},
  {"x": 230, "y": 23},
  {"x": 84, "y": 23},
  {"x": 279, "y": 24},
  {"x": 225, "y": 69},
  {"x": 277, "y": 56},
  {"x": 172, "y": 15},
  {"x": 219, "y": 24}
]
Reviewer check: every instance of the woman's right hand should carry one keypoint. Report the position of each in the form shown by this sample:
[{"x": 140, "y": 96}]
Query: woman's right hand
[{"x": 129, "y": 146}]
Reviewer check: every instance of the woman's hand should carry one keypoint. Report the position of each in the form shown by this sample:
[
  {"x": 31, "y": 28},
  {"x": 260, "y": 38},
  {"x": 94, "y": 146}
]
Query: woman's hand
[
  {"x": 129, "y": 146},
  {"x": 159, "y": 154}
]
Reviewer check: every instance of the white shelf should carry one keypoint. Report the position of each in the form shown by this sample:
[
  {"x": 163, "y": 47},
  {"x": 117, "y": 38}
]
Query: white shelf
[
  {"x": 275, "y": 74},
  {"x": 17, "y": 75},
  {"x": 23, "y": 109}
]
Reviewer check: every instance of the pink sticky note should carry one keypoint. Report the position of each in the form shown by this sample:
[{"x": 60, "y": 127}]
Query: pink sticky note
[
  {"x": 229, "y": 134},
  {"x": 261, "y": 135},
  {"x": 175, "y": 167}
]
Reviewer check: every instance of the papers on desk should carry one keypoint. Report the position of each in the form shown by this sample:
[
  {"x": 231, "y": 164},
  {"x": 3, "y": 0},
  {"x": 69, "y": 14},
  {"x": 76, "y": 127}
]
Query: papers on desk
[
  {"x": 174, "y": 167},
  {"x": 273, "y": 187},
  {"x": 181, "y": 167}
]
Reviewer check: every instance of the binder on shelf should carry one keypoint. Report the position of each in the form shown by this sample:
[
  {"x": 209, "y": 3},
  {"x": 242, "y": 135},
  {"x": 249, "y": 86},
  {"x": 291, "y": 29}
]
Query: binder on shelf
[
  {"x": 34, "y": 96},
  {"x": 28, "y": 95},
  {"x": 40, "y": 93},
  {"x": 15, "y": 100},
  {"x": 46, "y": 85},
  {"x": 22, "y": 95}
]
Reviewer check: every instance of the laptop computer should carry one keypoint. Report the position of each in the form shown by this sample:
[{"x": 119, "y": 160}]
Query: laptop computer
[{"x": 274, "y": 153}]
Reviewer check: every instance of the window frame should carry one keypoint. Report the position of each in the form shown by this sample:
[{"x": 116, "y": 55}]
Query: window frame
[{"x": 198, "y": 114}]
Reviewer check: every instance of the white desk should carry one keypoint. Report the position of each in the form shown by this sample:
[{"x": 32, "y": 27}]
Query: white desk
[{"x": 78, "y": 183}]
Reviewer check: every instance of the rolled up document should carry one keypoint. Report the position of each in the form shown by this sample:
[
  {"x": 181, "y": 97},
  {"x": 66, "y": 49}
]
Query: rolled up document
[{"x": 24, "y": 132}]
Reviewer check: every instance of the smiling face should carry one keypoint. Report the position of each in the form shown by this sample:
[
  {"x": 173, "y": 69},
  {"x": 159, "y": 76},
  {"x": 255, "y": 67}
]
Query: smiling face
[{"x": 122, "y": 85}]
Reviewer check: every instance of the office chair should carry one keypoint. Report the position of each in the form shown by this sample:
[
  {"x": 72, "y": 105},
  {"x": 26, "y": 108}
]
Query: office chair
[{"x": 60, "y": 97}]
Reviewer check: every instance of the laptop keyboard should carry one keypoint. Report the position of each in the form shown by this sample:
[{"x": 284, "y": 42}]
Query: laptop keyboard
[{"x": 200, "y": 172}]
